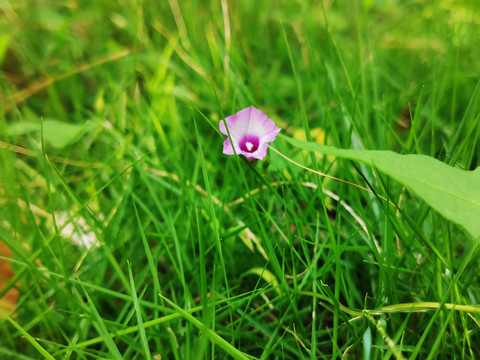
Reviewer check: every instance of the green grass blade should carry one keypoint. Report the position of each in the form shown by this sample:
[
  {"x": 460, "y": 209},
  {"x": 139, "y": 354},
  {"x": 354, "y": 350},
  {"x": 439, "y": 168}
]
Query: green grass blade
[
  {"x": 136, "y": 305},
  {"x": 102, "y": 329},
  {"x": 31, "y": 340},
  {"x": 214, "y": 337}
]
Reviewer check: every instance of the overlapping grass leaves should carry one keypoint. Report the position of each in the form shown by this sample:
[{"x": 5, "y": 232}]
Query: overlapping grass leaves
[{"x": 453, "y": 192}]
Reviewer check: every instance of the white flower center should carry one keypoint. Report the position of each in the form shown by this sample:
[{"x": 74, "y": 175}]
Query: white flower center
[{"x": 249, "y": 145}]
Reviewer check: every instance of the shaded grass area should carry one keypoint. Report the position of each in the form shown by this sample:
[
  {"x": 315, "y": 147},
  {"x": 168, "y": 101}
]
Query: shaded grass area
[{"x": 109, "y": 132}]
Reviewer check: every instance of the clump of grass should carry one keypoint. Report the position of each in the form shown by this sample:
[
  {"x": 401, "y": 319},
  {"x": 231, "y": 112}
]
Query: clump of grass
[{"x": 199, "y": 255}]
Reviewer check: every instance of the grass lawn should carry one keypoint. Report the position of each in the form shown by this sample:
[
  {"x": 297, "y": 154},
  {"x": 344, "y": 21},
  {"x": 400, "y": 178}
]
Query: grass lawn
[{"x": 126, "y": 232}]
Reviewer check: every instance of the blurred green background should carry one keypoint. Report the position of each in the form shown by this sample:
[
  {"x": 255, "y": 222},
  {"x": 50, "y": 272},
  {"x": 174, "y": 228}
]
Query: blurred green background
[{"x": 140, "y": 64}]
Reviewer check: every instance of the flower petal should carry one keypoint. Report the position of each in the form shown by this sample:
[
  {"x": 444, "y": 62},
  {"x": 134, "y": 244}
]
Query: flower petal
[
  {"x": 261, "y": 152},
  {"x": 227, "y": 147}
]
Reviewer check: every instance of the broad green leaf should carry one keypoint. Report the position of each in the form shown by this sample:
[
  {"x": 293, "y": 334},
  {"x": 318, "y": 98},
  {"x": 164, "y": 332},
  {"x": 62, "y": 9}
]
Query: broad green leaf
[
  {"x": 453, "y": 192},
  {"x": 60, "y": 134},
  {"x": 22, "y": 127},
  {"x": 55, "y": 133}
]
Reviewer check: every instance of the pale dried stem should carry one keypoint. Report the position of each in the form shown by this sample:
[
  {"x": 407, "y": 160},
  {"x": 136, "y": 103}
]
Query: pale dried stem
[
  {"x": 57, "y": 159},
  {"x": 182, "y": 29},
  {"x": 227, "y": 29},
  {"x": 306, "y": 184},
  {"x": 180, "y": 51},
  {"x": 330, "y": 176},
  {"x": 42, "y": 84}
]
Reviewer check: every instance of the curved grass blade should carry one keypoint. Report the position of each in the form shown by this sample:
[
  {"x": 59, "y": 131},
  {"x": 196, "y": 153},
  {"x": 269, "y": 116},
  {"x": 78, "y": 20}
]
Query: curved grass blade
[{"x": 31, "y": 340}]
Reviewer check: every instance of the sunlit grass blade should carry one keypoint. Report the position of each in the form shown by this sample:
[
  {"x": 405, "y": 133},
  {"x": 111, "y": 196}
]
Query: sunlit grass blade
[
  {"x": 31, "y": 340},
  {"x": 138, "y": 314},
  {"x": 215, "y": 338}
]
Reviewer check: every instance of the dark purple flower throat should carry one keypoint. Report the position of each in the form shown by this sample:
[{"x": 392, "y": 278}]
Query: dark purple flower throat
[{"x": 249, "y": 143}]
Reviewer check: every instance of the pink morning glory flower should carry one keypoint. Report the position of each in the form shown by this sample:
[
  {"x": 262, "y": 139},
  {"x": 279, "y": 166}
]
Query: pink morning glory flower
[{"x": 251, "y": 131}]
